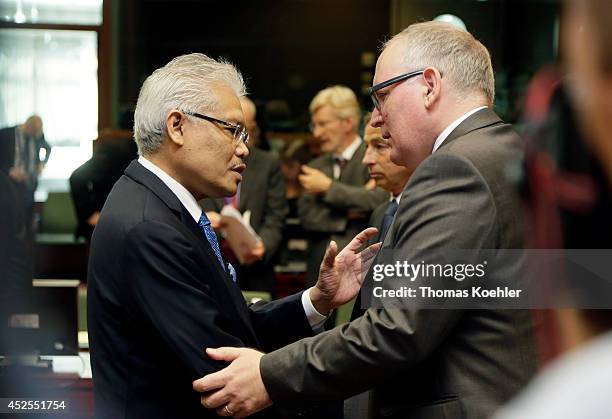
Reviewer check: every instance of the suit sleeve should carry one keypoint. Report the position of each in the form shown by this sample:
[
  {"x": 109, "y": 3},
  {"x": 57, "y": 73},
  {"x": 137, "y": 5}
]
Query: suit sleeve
[
  {"x": 173, "y": 294},
  {"x": 357, "y": 198},
  {"x": 280, "y": 322},
  {"x": 446, "y": 205},
  {"x": 275, "y": 211}
]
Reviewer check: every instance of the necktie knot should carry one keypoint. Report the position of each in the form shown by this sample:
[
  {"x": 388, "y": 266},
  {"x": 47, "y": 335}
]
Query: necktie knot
[
  {"x": 391, "y": 208},
  {"x": 341, "y": 162}
]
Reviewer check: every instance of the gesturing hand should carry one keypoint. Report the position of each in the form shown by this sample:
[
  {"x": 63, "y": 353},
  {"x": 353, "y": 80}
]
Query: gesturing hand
[{"x": 341, "y": 274}]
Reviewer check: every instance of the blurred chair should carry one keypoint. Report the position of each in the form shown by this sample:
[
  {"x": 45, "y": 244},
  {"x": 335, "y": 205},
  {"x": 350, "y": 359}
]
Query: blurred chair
[{"x": 58, "y": 215}]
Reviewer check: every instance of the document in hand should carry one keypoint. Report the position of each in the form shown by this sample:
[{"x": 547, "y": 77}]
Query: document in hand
[{"x": 238, "y": 232}]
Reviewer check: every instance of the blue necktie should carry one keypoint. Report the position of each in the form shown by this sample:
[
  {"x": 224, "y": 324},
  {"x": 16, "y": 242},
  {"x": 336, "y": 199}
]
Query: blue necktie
[
  {"x": 210, "y": 235},
  {"x": 388, "y": 219}
]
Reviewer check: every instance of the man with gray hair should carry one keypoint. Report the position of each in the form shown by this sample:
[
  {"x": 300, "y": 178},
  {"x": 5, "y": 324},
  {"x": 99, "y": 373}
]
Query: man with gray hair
[
  {"x": 433, "y": 92},
  {"x": 336, "y": 203},
  {"x": 159, "y": 291}
]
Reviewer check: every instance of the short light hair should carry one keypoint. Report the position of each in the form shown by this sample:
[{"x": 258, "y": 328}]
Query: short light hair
[
  {"x": 460, "y": 57},
  {"x": 186, "y": 83},
  {"x": 341, "y": 99}
]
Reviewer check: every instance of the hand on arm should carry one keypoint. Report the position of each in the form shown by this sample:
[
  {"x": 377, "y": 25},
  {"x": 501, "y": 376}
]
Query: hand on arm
[{"x": 237, "y": 390}]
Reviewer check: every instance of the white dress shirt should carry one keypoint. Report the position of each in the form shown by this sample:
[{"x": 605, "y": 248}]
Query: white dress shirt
[
  {"x": 442, "y": 137},
  {"x": 189, "y": 202},
  {"x": 347, "y": 155}
]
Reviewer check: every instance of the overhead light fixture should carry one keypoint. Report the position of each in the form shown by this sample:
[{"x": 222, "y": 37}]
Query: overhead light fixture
[{"x": 453, "y": 20}]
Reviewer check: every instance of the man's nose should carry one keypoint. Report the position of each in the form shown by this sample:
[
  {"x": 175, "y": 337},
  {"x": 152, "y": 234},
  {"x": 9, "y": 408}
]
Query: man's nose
[
  {"x": 376, "y": 120},
  {"x": 368, "y": 158},
  {"x": 242, "y": 150}
]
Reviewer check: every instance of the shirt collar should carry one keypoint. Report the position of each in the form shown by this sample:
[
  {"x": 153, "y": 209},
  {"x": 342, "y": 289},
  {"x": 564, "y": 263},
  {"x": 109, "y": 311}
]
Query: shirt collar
[
  {"x": 442, "y": 137},
  {"x": 347, "y": 154},
  {"x": 397, "y": 197},
  {"x": 186, "y": 198}
]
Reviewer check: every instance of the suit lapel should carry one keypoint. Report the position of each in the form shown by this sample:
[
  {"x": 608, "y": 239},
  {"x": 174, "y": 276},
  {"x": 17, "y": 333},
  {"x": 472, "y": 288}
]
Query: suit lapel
[
  {"x": 481, "y": 119},
  {"x": 354, "y": 165},
  {"x": 231, "y": 289},
  {"x": 231, "y": 293}
]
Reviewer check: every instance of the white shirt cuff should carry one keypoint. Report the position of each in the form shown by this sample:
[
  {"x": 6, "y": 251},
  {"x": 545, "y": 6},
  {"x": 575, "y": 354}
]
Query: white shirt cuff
[{"x": 315, "y": 318}]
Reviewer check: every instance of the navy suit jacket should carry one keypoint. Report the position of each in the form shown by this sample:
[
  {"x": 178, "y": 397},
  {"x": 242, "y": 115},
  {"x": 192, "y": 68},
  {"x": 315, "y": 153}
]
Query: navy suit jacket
[{"x": 157, "y": 297}]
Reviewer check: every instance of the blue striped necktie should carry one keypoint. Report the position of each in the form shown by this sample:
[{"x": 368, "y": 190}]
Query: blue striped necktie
[{"x": 210, "y": 235}]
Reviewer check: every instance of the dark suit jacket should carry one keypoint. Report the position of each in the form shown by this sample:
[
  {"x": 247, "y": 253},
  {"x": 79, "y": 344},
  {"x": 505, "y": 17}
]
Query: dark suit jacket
[
  {"x": 157, "y": 297},
  {"x": 430, "y": 363},
  {"x": 262, "y": 191},
  {"x": 7, "y": 148},
  {"x": 341, "y": 212}
]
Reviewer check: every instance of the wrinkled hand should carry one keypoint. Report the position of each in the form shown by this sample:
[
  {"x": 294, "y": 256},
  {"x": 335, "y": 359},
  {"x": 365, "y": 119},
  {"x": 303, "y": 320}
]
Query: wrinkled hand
[
  {"x": 314, "y": 181},
  {"x": 255, "y": 255},
  {"x": 238, "y": 386},
  {"x": 342, "y": 274}
]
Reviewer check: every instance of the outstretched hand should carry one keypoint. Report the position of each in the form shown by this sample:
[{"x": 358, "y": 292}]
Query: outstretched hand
[{"x": 342, "y": 274}]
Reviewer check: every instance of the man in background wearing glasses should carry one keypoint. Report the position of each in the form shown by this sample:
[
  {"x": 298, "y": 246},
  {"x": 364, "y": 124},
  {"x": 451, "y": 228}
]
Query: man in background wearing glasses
[
  {"x": 159, "y": 291},
  {"x": 433, "y": 91},
  {"x": 336, "y": 204}
]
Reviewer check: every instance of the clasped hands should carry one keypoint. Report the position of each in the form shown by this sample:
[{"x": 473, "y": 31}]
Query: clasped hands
[
  {"x": 314, "y": 181},
  {"x": 238, "y": 390}
]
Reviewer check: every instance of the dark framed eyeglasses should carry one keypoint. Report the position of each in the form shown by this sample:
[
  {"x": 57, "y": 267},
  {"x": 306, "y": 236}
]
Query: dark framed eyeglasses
[
  {"x": 374, "y": 90},
  {"x": 238, "y": 131}
]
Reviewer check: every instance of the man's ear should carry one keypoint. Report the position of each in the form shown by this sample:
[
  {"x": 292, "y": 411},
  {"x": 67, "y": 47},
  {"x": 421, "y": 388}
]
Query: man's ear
[
  {"x": 175, "y": 127},
  {"x": 432, "y": 86}
]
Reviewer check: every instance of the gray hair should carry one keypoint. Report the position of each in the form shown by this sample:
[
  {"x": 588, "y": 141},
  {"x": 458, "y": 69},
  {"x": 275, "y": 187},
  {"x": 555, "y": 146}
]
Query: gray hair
[
  {"x": 460, "y": 57},
  {"x": 186, "y": 83},
  {"x": 341, "y": 99}
]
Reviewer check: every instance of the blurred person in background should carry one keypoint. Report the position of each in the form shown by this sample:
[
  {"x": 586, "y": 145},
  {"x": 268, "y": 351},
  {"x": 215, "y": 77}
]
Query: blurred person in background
[
  {"x": 20, "y": 158},
  {"x": 91, "y": 182},
  {"x": 577, "y": 384},
  {"x": 262, "y": 193},
  {"x": 294, "y": 155},
  {"x": 392, "y": 178},
  {"x": 335, "y": 204}
]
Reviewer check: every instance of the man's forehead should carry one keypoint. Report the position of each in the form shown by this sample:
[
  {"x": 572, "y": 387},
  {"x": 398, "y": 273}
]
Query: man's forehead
[
  {"x": 228, "y": 103},
  {"x": 388, "y": 64},
  {"x": 323, "y": 112}
]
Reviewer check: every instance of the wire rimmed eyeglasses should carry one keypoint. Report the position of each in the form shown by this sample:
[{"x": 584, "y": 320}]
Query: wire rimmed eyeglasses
[{"x": 238, "y": 131}]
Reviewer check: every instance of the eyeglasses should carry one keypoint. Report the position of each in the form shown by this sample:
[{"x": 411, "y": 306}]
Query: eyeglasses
[
  {"x": 238, "y": 131},
  {"x": 322, "y": 124},
  {"x": 379, "y": 98}
]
